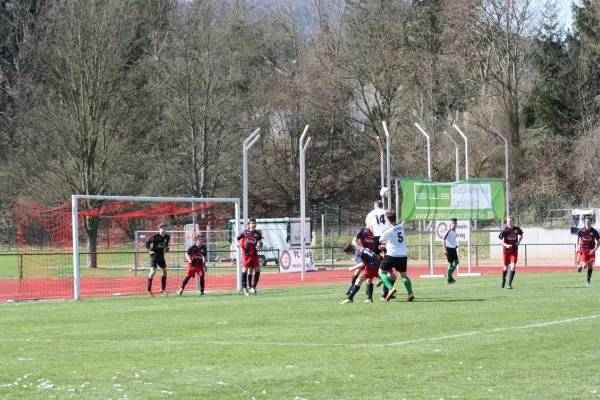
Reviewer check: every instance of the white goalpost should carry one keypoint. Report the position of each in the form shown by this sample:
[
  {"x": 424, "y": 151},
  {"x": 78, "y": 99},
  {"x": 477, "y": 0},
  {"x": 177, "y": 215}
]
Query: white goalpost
[{"x": 191, "y": 200}]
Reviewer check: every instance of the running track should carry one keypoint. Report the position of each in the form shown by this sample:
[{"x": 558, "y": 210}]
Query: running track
[{"x": 54, "y": 289}]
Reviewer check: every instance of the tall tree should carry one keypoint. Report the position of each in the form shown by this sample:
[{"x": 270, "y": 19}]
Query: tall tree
[
  {"x": 503, "y": 38},
  {"x": 80, "y": 126},
  {"x": 203, "y": 73}
]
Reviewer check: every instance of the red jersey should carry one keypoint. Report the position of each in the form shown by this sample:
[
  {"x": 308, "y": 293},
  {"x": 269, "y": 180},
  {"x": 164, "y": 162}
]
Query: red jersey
[
  {"x": 196, "y": 255},
  {"x": 511, "y": 236},
  {"x": 249, "y": 240},
  {"x": 365, "y": 236},
  {"x": 587, "y": 239}
]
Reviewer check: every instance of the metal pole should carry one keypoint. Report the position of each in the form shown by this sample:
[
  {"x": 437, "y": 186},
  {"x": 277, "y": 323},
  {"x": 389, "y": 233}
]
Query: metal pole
[
  {"x": 389, "y": 161},
  {"x": 431, "y": 223},
  {"x": 467, "y": 178},
  {"x": 323, "y": 236},
  {"x": 302, "y": 149},
  {"x": 507, "y": 191},
  {"x": 75, "y": 228},
  {"x": 137, "y": 252},
  {"x": 238, "y": 250},
  {"x": 457, "y": 155},
  {"x": 247, "y": 144},
  {"x": 428, "y": 149},
  {"x": 466, "y": 150},
  {"x": 397, "y": 195},
  {"x": 382, "y": 166}
]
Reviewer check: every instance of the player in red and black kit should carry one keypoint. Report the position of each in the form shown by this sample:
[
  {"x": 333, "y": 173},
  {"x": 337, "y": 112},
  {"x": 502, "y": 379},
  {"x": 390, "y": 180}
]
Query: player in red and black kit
[
  {"x": 363, "y": 239},
  {"x": 510, "y": 237},
  {"x": 195, "y": 256},
  {"x": 588, "y": 241},
  {"x": 250, "y": 242}
]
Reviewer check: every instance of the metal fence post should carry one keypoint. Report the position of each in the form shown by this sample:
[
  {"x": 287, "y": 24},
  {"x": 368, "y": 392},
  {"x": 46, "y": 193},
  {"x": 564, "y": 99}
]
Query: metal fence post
[
  {"x": 332, "y": 265},
  {"x": 477, "y": 255},
  {"x": 429, "y": 254},
  {"x": 525, "y": 255}
]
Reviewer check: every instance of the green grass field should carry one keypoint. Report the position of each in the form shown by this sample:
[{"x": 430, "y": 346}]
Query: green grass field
[{"x": 471, "y": 340}]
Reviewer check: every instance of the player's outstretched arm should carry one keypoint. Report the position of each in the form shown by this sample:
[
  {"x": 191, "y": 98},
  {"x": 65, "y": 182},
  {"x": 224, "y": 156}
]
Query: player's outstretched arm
[{"x": 357, "y": 266}]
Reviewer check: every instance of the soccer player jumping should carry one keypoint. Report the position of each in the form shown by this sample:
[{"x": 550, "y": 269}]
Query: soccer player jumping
[
  {"x": 510, "y": 238},
  {"x": 588, "y": 241},
  {"x": 395, "y": 257},
  {"x": 363, "y": 239}
]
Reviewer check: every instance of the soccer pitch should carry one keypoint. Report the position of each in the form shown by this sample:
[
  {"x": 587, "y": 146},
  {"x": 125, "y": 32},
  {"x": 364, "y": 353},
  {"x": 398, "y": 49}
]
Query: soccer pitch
[{"x": 472, "y": 340}]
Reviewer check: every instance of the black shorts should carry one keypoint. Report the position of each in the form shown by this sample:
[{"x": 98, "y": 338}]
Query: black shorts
[
  {"x": 390, "y": 262},
  {"x": 452, "y": 255},
  {"x": 376, "y": 245},
  {"x": 154, "y": 263}
]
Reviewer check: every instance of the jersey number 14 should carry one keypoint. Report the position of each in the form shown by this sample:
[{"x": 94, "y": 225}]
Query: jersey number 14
[{"x": 380, "y": 219}]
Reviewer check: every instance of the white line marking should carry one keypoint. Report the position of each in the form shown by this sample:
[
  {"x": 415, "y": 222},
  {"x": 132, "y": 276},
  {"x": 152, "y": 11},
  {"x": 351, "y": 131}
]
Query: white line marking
[{"x": 291, "y": 344}]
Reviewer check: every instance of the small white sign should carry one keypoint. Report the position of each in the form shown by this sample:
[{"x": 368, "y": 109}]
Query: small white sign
[
  {"x": 290, "y": 260},
  {"x": 462, "y": 230}
]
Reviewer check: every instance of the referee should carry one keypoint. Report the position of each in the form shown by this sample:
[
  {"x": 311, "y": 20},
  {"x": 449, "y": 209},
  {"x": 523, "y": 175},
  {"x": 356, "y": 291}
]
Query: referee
[{"x": 451, "y": 249}]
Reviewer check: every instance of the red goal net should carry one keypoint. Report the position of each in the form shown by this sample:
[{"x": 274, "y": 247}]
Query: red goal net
[{"x": 112, "y": 257}]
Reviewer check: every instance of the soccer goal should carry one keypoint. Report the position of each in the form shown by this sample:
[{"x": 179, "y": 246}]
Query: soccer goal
[{"x": 95, "y": 245}]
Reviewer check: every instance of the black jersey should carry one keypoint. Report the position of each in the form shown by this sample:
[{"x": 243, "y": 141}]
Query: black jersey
[{"x": 158, "y": 244}]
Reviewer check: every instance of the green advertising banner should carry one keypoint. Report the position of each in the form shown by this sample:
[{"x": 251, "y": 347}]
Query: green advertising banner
[{"x": 473, "y": 199}]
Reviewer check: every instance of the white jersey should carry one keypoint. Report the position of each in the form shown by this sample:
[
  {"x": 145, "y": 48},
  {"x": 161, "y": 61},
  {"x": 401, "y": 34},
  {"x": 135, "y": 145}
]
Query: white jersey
[
  {"x": 395, "y": 241},
  {"x": 377, "y": 221},
  {"x": 450, "y": 239}
]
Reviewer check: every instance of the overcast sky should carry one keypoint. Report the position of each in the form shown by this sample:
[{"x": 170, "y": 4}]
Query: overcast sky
[{"x": 567, "y": 15}]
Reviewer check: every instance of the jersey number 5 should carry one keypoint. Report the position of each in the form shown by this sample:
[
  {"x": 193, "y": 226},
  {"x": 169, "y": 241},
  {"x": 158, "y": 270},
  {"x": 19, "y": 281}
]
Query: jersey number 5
[{"x": 400, "y": 238}]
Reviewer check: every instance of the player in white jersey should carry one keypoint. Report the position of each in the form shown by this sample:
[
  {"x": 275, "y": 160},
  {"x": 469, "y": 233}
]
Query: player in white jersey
[
  {"x": 396, "y": 256},
  {"x": 377, "y": 222},
  {"x": 451, "y": 250}
]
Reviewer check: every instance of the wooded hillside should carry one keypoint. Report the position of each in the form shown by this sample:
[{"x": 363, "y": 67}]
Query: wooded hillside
[{"x": 155, "y": 97}]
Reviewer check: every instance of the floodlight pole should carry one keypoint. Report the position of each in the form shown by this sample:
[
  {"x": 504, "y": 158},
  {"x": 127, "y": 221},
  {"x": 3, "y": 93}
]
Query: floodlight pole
[
  {"x": 469, "y": 273},
  {"x": 303, "y": 148},
  {"x": 382, "y": 166},
  {"x": 388, "y": 161},
  {"x": 507, "y": 191},
  {"x": 457, "y": 155},
  {"x": 466, "y": 150},
  {"x": 254, "y": 136},
  {"x": 432, "y": 224}
]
